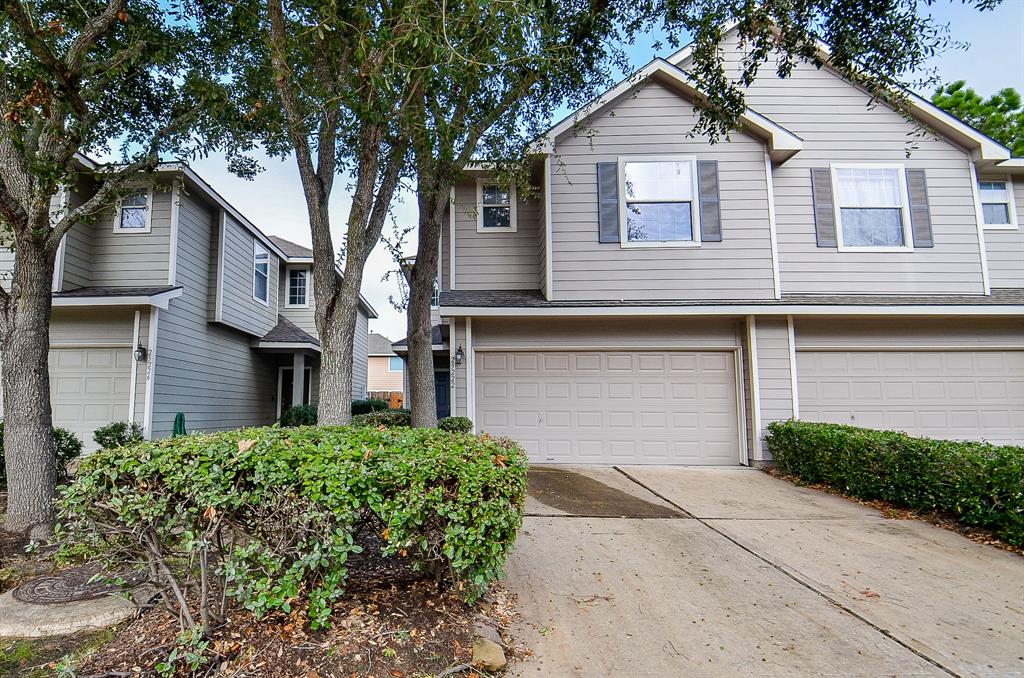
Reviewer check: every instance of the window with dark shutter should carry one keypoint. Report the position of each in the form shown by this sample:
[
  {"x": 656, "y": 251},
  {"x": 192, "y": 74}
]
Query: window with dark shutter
[
  {"x": 607, "y": 202},
  {"x": 710, "y": 208},
  {"x": 824, "y": 211}
]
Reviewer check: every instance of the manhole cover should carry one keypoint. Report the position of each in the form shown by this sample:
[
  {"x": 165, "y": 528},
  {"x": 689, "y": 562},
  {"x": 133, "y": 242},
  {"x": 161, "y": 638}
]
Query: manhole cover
[{"x": 73, "y": 585}]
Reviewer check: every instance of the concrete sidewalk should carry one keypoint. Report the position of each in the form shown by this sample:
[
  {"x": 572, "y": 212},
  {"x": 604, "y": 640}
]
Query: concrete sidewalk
[{"x": 757, "y": 577}]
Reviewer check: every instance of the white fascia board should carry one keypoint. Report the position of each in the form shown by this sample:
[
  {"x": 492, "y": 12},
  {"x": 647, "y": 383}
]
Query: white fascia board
[
  {"x": 160, "y": 300},
  {"x": 738, "y": 310},
  {"x": 287, "y": 345},
  {"x": 782, "y": 144}
]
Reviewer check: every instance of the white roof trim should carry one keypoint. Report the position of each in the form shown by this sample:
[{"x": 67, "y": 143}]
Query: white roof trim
[
  {"x": 782, "y": 144},
  {"x": 288, "y": 345},
  {"x": 160, "y": 300},
  {"x": 983, "y": 147},
  {"x": 737, "y": 310}
]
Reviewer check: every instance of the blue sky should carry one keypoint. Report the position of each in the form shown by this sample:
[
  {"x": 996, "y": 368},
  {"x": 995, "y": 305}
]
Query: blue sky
[{"x": 993, "y": 60}]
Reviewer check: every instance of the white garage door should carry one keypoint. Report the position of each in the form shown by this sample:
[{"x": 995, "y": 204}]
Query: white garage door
[
  {"x": 89, "y": 388},
  {"x": 940, "y": 394},
  {"x": 612, "y": 407}
]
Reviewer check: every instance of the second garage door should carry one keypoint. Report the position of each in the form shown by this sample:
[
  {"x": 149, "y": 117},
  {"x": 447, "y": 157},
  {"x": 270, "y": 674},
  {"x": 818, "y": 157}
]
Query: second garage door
[
  {"x": 89, "y": 388},
  {"x": 591, "y": 407},
  {"x": 941, "y": 394}
]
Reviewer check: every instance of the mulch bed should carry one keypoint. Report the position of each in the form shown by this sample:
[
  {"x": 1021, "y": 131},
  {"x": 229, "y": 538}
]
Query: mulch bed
[
  {"x": 15, "y": 565},
  {"x": 391, "y": 623},
  {"x": 893, "y": 512}
]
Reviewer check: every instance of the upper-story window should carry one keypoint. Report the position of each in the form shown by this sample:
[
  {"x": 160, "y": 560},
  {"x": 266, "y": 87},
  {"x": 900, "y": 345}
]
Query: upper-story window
[
  {"x": 395, "y": 363},
  {"x": 260, "y": 273},
  {"x": 872, "y": 208},
  {"x": 496, "y": 207},
  {"x": 657, "y": 204},
  {"x": 996, "y": 203},
  {"x": 133, "y": 213},
  {"x": 298, "y": 290},
  {"x": 435, "y": 295}
]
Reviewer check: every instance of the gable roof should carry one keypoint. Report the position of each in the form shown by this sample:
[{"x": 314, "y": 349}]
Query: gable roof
[
  {"x": 291, "y": 249},
  {"x": 379, "y": 345},
  {"x": 287, "y": 332},
  {"x": 983, "y": 148},
  {"x": 782, "y": 144}
]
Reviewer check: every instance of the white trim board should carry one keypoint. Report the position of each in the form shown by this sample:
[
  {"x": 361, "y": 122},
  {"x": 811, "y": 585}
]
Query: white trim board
[
  {"x": 756, "y": 451},
  {"x": 736, "y": 310},
  {"x": 549, "y": 292},
  {"x": 133, "y": 386},
  {"x": 147, "y": 422},
  {"x": 794, "y": 397},
  {"x": 772, "y": 229},
  {"x": 470, "y": 374},
  {"x": 172, "y": 259},
  {"x": 980, "y": 219}
]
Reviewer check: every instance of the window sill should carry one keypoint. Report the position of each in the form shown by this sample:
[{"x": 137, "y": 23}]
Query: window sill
[
  {"x": 135, "y": 231},
  {"x": 661, "y": 244},
  {"x": 261, "y": 302},
  {"x": 484, "y": 229},
  {"x": 296, "y": 305},
  {"x": 876, "y": 249},
  {"x": 1000, "y": 227}
]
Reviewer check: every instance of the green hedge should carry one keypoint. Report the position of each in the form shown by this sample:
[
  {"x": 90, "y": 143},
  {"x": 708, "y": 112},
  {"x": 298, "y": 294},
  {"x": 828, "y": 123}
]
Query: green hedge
[
  {"x": 299, "y": 415},
  {"x": 369, "y": 405},
  {"x": 388, "y": 418},
  {"x": 455, "y": 424},
  {"x": 980, "y": 483},
  {"x": 274, "y": 512}
]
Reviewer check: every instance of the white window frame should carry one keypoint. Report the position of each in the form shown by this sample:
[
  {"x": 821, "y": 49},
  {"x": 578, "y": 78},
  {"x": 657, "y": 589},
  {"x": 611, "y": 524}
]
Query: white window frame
[
  {"x": 149, "y": 213},
  {"x": 435, "y": 293},
  {"x": 624, "y": 241},
  {"x": 1011, "y": 204},
  {"x": 901, "y": 174},
  {"x": 257, "y": 249},
  {"x": 288, "y": 286},
  {"x": 480, "y": 228},
  {"x": 389, "y": 364}
]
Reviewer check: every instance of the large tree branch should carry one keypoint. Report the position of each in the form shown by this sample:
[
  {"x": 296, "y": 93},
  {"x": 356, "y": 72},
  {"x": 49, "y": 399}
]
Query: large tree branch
[{"x": 93, "y": 31}]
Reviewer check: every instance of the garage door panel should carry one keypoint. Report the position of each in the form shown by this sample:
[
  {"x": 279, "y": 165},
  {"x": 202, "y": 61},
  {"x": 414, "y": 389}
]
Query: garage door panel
[
  {"x": 964, "y": 394},
  {"x": 655, "y": 407}
]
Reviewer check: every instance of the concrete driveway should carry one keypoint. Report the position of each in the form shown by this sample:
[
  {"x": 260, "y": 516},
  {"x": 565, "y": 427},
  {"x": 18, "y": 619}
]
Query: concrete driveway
[{"x": 730, "y": 572}]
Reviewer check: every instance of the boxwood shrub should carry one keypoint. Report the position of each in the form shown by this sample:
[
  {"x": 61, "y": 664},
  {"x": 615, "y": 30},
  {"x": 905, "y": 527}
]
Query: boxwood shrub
[
  {"x": 455, "y": 424},
  {"x": 299, "y": 415},
  {"x": 272, "y": 514},
  {"x": 369, "y": 405},
  {"x": 388, "y": 418},
  {"x": 980, "y": 483}
]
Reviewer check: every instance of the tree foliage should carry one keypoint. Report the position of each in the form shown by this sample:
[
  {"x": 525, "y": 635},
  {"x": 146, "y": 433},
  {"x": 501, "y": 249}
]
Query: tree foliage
[{"x": 1001, "y": 116}]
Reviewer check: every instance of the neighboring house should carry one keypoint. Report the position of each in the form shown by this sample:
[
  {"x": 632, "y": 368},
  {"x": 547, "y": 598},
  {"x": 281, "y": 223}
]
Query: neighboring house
[
  {"x": 385, "y": 368},
  {"x": 175, "y": 302},
  {"x": 663, "y": 299}
]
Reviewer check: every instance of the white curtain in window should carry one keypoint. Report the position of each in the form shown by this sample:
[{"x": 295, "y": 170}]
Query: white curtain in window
[
  {"x": 868, "y": 187},
  {"x": 658, "y": 181}
]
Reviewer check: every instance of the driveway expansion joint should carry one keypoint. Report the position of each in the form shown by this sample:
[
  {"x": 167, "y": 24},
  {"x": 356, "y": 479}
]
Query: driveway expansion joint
[{"x": 799, "y": 579}]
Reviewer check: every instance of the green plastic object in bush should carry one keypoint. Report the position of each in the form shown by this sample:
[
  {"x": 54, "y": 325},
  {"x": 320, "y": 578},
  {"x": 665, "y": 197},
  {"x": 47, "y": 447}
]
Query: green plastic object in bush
[
  {"x": 299, "y": 415},
  {"x": 273, "y": 513},
  {"x": 117, "y": 434},
  {"x": 387, "y": 418},
  {"x": 368, "y": 405},
  {"x": 66, "y": 446},
  {"x": 980, "y": 483},
  {"x": 455, "y": 424}
]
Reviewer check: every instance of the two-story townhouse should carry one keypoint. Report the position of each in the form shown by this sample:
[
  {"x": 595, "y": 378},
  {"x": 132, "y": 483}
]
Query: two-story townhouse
[
  {"x": 665, "y": 298},
  {"x": 175, "y": 302}
]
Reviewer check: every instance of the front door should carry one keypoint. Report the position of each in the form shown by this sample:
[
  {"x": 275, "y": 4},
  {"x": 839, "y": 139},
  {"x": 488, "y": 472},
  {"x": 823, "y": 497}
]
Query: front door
[{"x": 442, "y": 393}]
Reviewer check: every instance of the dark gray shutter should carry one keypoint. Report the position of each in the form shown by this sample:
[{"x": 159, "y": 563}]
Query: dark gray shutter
[
  {"x": 824, "y": 212},
  {"x": 607, "y": 202},
  {"x": 710, "y": 212},
  {"x": 920, "y": 217}
]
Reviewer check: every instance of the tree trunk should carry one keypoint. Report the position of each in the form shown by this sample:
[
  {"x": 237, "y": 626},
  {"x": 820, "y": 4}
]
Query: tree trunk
[
  {"x": 422, "y": 398},
  {"x": 28, "y": 418},
  {"x": 337, "y": 337}
]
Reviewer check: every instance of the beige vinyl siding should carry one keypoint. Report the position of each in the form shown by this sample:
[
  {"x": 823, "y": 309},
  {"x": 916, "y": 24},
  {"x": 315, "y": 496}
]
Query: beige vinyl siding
[
  {"x": 1005, "y": 247},
  {"x": 774, "y": 373},
  {"x": 653, "y": 121},
  {"x": 133, "y": 259},
  {"x": 209, "y": 372},
  {"x": 495, "y": 261},
  {"x": 380, "y": 378},
  {"x": 238, "y": 308},
  {"x": 360, "y": 349},
  {"x": 305, "y": 318},
  {"x": 837, "y": 125}
]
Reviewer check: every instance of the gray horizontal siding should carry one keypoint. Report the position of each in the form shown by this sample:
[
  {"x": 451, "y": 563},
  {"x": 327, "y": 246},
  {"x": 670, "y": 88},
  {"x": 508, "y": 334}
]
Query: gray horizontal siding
[
  {"x": 78, "y": 248},
  {"x": 209, "y": 372},
  {"x": 133, "y": 259},
  {"x": 238, "y": 308},
  {"x": 360, "y": 358},
  {"x": 837, "y": 125},
  {"x": 304, "y": 318},
  {"x": 497, "y": 261},
  {"x": 1006, "y": 248},
  {"x": 653, "y": 121}
]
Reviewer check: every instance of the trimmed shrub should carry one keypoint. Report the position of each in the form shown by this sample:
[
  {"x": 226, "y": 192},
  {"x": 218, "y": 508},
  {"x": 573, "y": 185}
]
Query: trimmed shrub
[
  {"x": 979, "y": 483},
  {"x": 271, "y": 515},
  {"x": 66, "y": 446},
  {"x": 117, "y": 434},
  {"x": 455, "y": 424},
  {"x": 369, "y": 405},
  {"x": 386, "y": 418},
  {"x": 299, "y": 415}
]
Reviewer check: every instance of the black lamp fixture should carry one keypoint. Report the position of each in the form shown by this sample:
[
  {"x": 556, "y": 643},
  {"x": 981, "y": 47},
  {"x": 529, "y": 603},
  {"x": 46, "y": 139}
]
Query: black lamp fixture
[
  {"x": 460, "y": 355},
  {"x": 140, "y": 354}
]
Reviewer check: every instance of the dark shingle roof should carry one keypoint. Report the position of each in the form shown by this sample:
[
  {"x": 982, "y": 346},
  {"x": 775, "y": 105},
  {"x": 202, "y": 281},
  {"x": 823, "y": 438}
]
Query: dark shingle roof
[
  {"x": 286, "y": 332},
  {"x": 437, "y": 337},
  {"x": 115, "y": 291},
  {"x": 378, "y": 344},
  {"x": 534, "y": 299},
  {"x": 292, "y": 249}
]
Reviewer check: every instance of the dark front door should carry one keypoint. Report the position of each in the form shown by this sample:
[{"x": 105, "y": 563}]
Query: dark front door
[
  {"x": 442, "y": 394},
  {"x": 287, "y": 380}
]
